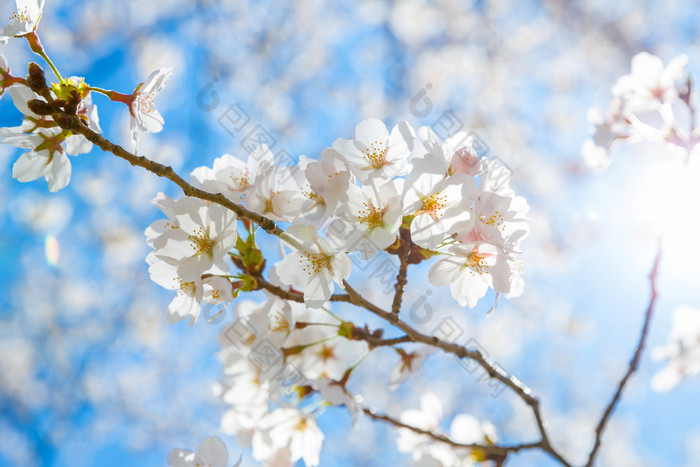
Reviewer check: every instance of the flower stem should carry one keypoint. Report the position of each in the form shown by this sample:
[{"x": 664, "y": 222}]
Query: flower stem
[{"x": 37, "y": 48}]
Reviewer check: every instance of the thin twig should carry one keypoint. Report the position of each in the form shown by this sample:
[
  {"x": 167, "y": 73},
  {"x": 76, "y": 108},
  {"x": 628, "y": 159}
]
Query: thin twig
[
  {"x": 491, "y": 451},
  {"x": 73, "y": 123},
  {"x": 634, "y": 363},
  {"x": 493, "y": 370}
]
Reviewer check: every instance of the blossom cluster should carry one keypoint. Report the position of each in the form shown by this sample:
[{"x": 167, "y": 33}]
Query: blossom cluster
[
  {"x": 273, "y": 356},
  {"x": 362, "y": 192},
  {"x": 48, "y": 143},
  {"x": 399, "y": 190},
  {"x": 652, "y": 103}
]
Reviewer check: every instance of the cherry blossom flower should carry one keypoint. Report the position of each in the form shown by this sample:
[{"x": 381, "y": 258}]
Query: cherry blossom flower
[
  {"x": 211, "y": 453},
  {"x": 274, "y": 193},
  {"x": 499, "y": 220},
  {"x": 375, "y": 152},
  {"x": 426, "y": 418},
  {"x": 288, "y": 434},
  {"x": 271, "y": 321},
  {"x": 329, "y": 178},
  {"x": 231, "y": 176},
  {"x": 465, "y": 161},
  {"x": 49, "y": 144},
  {"x": 47, "y": 157},
  {"x": 465, "y": 429},
  {"x": 650, "y": 84},
  {"x": 6, "y": 80},
  {"x": 145, "y": 118},
  {"x": 334, "y": 393},
  {"x": 196, "y": 237},
  {"x": 408, "y": 364},
  {"x": 323, "y": 184},
  {"x": 369, "y": 220},
  {"x": 454, "y": 155},
  {"x": 316, "y": 350},
  {"x": 441, "y": 205},
  {"x": 313, "y": 264},
  {"x": 682, "y": 351},
  {"x": 248, "y": 386},
  {"x": 470, "y": 270},
  {"x": 187, "y": 302},
  {"x": 24, "y": 20}
]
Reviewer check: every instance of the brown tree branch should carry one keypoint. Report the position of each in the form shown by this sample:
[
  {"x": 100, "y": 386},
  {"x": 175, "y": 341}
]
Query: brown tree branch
[
  {"x": 73, "y": 123},
  {"x": 492, "y": 369},
  {"x": 401, "y": 280},
  {"x": 634, "y": 363},
  {"x": 492, "y": 452}
]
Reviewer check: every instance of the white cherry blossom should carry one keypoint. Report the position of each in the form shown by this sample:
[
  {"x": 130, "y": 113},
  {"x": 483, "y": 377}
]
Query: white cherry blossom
[
  {"x": 145, "y": 118},
  {"x": 23, "y": 20},
  {"x": 275, "y": 194},
  {"x": 288, "y": 434},
  {"x": 441, "y": 205},
  {"x": 409, "y": 363},
  {"x": 196, "y": 237},
  {"x": 187, "y": 302},
  {"x": 375, "y": 152},
  {"x": 369, "y": 220},
  {"x": 231, "y": 176},
  {"x": 313, "y": 264},
  {"x": 499, "y": 220},
  {"x": 470, "y": 270},
  {"x": 211, "y": 453}
]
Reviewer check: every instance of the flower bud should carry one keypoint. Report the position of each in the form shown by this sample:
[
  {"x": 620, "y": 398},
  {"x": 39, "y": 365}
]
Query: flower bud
[
  {"x": 36, "y": 79},
  {"x": 40, "y": 107}
]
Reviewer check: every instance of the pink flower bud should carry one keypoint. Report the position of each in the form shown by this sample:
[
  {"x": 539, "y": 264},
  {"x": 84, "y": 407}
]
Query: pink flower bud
[{"x": 465, "y": 161}]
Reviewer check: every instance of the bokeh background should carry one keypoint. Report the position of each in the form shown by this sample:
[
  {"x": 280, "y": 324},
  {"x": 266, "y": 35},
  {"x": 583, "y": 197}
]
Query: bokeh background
[{"x": 91, "y": 374}]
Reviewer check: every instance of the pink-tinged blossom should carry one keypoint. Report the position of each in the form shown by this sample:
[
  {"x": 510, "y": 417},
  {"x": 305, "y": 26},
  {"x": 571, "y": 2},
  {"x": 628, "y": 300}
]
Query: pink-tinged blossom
[
  {"x": 499, "y": 220},
  {"x": 313, "y": 265},
  {"x": 286, "y": 435},
  {"x": 465, "y": 161},
  {"x": 211, "y": 453},
  {"x": 375, "y": 152},
  {"x": 23, "y": 20},
  {"x": 470, "y": 270},
  {"x": 650, "y": 84}
]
